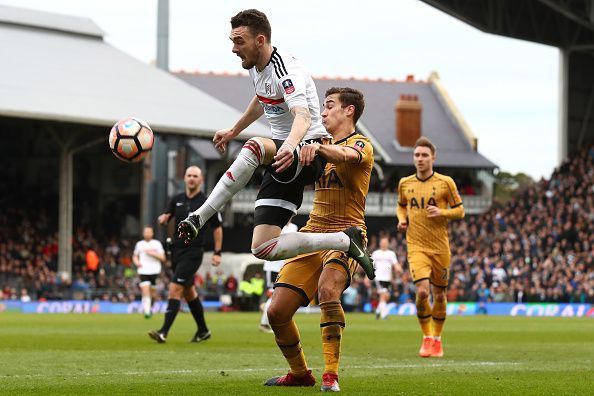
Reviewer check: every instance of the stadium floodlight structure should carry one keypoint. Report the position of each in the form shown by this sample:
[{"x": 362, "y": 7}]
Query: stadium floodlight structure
[
  {"x": 58, "y": 69},
  {"x": 566, "y": 24}
]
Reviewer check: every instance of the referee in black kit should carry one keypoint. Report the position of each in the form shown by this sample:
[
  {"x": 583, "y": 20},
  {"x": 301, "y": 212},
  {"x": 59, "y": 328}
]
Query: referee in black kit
[{"x": 186, "y": 259}]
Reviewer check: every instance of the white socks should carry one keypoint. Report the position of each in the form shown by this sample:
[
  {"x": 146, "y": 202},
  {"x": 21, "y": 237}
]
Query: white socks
[
  {"x": 295, "y": 243},
  {"x": 237, "y": 176},
  {"x": 264, "y": 321},
  {"x": 146, "y": 305},
  {"x": 383, "y": 309}
]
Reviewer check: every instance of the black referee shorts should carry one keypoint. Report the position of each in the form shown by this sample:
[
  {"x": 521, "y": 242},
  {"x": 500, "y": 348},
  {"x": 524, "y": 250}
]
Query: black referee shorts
[{"x": 186, "y": 262}]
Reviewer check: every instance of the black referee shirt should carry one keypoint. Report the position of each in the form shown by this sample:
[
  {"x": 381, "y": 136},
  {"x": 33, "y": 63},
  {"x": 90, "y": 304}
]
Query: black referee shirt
[{"x": 180, "y": 207}]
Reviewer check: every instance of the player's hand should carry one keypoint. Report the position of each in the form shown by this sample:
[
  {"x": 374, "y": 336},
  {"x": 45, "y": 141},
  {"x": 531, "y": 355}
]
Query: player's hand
[
  {"x": 402, "y": 225},
  {"x": 283, "y": 158},
  {"x": 433, "y": 211},
  {"x": 216, "y": 260},
  {"x": 164, "y": 218},
  {"x": 188, "y": 229},
  {"x": 308, "y": 153},
  {"x": 222, "y": 137}
]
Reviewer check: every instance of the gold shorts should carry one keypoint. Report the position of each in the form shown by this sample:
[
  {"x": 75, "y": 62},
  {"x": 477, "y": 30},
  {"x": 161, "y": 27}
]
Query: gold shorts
[
  {"x": 302, "y": 273},
  {"x": 432, "y": 266}
]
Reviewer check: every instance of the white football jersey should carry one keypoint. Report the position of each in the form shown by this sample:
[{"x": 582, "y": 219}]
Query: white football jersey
[
  {"x": 283, "y": 84},
  {"x": 148, "y": 264},
  {"x": 275, "y": 266},
  {"x": 384, "y": 260}
]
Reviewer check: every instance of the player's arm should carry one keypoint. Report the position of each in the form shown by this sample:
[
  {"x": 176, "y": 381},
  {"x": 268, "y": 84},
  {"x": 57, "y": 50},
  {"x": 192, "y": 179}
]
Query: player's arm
[
  {"x": 456, "y": 209},
  {"x": 135, "y": 255},
  {"x": 293, "y": 88},
  {"x": 455, "y": 213},
  {"x": 401, "y": 213},
  {"x": 250, "y": 115},
  {"x": 301, "y": 124},
  {"x": 360, "y": 152},
  {"x": 164, "y": 218}
]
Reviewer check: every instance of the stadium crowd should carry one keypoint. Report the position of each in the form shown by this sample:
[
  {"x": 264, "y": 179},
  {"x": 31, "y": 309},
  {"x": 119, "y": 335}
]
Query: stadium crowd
[{"x": 537, "y": 248}]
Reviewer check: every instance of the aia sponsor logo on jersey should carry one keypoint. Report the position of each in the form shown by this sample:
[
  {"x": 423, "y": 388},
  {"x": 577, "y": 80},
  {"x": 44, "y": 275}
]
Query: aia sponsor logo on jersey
[{"x": 288, "y": 86}]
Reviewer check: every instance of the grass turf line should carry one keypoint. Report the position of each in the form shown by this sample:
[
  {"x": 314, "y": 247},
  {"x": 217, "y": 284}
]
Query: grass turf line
[{"x": 99, "y": 354}]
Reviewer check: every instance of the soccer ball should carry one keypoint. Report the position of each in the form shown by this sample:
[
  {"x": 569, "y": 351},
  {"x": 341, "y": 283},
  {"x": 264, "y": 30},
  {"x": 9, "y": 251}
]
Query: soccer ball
[{"x": 131, "y": 139}]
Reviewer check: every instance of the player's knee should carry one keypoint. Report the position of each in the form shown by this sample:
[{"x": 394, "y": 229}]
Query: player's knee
[
  {"x": 328, "y": 292},
  {"x": 277, "y": 314},
  {"x": 266, "y": 250},
  {"x": 175, "y": 291},
  {"x": 422, "y": 293},
  {"x": 440, "y": 297},
  {"x": 253, "y": 152}
]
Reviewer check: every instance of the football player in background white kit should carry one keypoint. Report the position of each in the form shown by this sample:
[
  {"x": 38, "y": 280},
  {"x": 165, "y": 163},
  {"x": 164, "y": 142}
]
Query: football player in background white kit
[
  {"x": 386, "y": 265},
  {"x": 148, "y": 256},
  {"x": 286, "y": 94},
  {"x": 272, "y": 268}
]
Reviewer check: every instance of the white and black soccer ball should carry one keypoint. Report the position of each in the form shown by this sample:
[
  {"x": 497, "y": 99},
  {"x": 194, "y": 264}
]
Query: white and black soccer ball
[{"x": 131, "y": 139}]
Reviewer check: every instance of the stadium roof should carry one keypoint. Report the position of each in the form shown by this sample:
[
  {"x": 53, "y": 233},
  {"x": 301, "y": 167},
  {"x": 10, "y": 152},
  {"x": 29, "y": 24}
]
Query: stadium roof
[
  {"x": 57, "y": 67},
  {"x": 441, "y": 121}
]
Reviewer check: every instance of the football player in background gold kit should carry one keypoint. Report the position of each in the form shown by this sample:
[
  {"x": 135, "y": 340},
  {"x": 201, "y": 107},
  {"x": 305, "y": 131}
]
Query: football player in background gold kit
[{"x": 426, "y": 201}]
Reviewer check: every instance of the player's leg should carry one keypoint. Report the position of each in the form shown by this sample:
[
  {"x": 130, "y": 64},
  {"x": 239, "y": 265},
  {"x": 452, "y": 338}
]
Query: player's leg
[
  {"x": 255, "y": 152},
  {"x": 264, "y": 323},
  {"x": 285, "y": 303},
  {"x": 197, "y": 311},
  {"x": 145, "y": 290},
  {"x": 173, "y": 304},
  {"x": 185, "y": 265},
  {"x": 334, "y": 279},
  {"x": 438, "y": 315},
  {"x": 295, "y": 287},
  {"x": 439, "y": 281},
  {"x": 384, "y": 299},
  {"x": 420, "y": 268},
  {"x": 268, "y": 244},
  {"x": 278, "y": 200}
]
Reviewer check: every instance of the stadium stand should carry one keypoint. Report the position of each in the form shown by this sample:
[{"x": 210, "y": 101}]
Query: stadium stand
[{"x": 537, "y": 248}]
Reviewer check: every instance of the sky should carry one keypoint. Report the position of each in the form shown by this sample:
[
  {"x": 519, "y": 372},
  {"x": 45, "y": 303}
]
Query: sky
[{"x": 506, "y": 89}]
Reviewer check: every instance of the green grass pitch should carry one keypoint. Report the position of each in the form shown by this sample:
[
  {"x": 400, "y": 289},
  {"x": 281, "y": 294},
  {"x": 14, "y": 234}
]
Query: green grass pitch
[{"x": 111, "y": 354}]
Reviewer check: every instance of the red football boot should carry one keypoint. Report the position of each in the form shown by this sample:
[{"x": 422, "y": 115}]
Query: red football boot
[{"x": 292, "y": 380}]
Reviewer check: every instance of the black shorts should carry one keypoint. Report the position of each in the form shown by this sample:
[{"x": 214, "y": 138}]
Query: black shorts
[
  {"x": 281, "y": 194},
  {"x": 271, "y": 278},
  {"x": 384, "y": 287},
  {"x": 185, "y": 262},
  {"x": 149, "y": 278}
]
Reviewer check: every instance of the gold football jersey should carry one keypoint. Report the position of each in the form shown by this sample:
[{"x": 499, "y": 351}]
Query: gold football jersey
[
  {"x": 427, "y": 234},
  {"x": 339, "y": 199}
]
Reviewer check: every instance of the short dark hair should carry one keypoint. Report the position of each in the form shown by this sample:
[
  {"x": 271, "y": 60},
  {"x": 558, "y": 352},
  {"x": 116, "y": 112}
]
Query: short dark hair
[
  {"x": 255, "y": 20},
  {"x": 424, "y": 142},
  {"x": 349, "y": 96}
]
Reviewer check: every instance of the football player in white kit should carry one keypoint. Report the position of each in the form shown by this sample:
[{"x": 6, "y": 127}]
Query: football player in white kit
[
  {"x": 272, "y": 268},
  {"x": 286, "y": 94},
  {"x": 148, "y": 256},
  {"x": 386, "y": 264}
]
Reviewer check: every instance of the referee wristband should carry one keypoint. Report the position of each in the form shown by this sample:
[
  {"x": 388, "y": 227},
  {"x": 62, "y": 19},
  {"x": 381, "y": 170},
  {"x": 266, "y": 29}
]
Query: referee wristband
[{"x": 217, "y": 252}]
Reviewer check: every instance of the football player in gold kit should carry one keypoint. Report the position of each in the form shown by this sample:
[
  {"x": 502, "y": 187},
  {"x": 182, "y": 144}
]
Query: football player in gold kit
[
  {"x": 426, "y": 201},
  {"x": 339, "y": 202}
]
